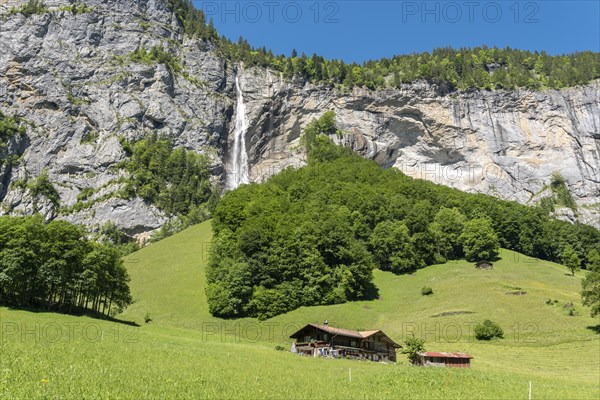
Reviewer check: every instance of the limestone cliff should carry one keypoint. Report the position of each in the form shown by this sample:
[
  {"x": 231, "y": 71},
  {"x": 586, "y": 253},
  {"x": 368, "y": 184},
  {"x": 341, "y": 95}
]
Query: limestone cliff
[{"x": 69, "y": 77}]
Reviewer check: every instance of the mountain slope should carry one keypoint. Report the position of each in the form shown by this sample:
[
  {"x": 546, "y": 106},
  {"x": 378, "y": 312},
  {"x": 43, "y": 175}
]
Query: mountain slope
[
  {"x": 158, "y": 362},
  {"x": 74, "y": 80},
  {"x": 168, "y": 280},
  {"x": 540, "y": 339},
  {"x": 184, "y": 352}
]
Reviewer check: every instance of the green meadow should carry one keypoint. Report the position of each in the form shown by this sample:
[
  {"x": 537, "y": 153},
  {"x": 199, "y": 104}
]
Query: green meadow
[{"x": 185, "y": 352}]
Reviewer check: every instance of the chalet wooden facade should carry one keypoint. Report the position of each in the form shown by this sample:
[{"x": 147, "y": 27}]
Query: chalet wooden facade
[
  {"x": 444, "y": 359},
  {"x": 327, "y": 341}
]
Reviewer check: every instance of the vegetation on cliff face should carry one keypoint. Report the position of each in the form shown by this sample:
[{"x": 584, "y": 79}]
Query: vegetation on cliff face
[
  {"x": 10, "y": 127},
  {"x": 156, "y": 55},
  {"x": 37, "y": 7},
  {"x": 31, "y": 7},
  {"x": 313, "y": 235},
  {"x": 174, "y": 179},
  {"x": 41, "y": 186},
  {"x": 480, "y": 67}
]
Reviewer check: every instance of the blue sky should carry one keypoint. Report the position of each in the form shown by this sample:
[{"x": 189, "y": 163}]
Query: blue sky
[{"x": 363, "y": 30}]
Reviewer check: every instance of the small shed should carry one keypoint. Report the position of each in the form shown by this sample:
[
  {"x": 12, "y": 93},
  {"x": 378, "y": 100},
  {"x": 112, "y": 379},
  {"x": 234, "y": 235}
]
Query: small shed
[
  {"x": 483, "y": 264},
  {"x": 444, "y": 359}
]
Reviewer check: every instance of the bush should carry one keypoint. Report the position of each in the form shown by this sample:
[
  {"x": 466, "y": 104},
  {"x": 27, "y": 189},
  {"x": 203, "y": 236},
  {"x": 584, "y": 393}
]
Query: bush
[
  {"x": 147, "y": 318},
  {"x": 43, "y": 187},
  {"x": 426, "y": 291},
  {"x": 156, "y": 55},
  {"x": 488, "y": 330},
  {"x": 9, "y": 128},
  {"x": 30, "y": 8}
]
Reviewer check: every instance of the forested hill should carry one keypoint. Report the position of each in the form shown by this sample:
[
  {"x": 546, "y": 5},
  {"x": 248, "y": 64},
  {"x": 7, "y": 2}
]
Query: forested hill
[{"x": 313, "y": 235}]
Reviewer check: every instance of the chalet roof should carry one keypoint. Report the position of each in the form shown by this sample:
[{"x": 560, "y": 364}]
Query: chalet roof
[
  {"x": 444, "y": 354},
  {"x": 346, "y": 332},
  {"x": 369, "y": 333}
]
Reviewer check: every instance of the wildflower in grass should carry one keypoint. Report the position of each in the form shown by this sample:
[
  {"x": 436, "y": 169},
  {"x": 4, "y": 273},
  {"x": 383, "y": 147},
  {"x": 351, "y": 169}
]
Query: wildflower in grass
[{"x": 45, "y": 380}]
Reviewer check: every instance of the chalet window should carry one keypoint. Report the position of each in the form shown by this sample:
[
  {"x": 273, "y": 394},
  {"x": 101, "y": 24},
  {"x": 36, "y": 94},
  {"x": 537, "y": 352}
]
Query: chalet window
[
  {"x": 325, "y": 336},
  {"x": 307, "y": 339},
  {"x": 353, "y": 343}
]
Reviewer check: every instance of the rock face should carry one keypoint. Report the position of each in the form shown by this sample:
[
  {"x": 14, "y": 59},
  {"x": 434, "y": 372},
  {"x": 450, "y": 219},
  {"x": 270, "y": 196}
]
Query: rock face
[{"x": 70, "y": 78}]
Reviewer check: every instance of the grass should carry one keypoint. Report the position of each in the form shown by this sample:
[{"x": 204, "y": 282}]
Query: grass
[
  {"x": 168, "y": 281},
  {"x": 185, "y": 352}
]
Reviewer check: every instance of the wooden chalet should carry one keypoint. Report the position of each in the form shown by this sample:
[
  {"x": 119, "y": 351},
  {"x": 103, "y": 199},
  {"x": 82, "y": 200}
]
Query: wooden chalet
[
  {"x": 327, "y": 341},
  {"x": 443, "y": 359}
]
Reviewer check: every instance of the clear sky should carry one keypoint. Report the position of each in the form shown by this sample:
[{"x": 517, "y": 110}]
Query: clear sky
[{"x": 363, "y": 30}]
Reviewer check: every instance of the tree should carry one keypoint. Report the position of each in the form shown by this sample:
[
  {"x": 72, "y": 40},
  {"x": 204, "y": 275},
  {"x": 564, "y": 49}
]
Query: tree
[
  {"x": 412, "y": 346},
  {"x": 593, "y": 260},
  {"x": 229, "y": 288},
  {"x": 479, "y": 240},
  {"x": 488, "y": 330},
  {"x": 419, "y": 216},
  {"x": 447, "y": 227},
  {"x": 56, "y": 266},
  {"x": 392, "y": 247},
  {"x": 590, "y": 293},
  {"x": 570, "y": 259}
]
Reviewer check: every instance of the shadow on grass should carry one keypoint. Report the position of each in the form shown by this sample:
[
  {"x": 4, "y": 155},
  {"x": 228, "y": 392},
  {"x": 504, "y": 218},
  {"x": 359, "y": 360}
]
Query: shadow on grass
[
  {"x": 74, "y": 312},
  {"x": 371, "y": 293},
  {"x": 594, "y": 328}
]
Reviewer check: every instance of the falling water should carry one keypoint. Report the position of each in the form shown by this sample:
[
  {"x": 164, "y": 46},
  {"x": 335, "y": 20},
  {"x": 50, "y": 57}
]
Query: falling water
[
  {"x": 270, "y": 86},
  {"x": 239, "y": 174}
]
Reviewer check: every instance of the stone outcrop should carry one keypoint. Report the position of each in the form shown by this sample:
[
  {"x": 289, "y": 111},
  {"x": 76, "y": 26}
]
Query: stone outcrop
[{"x": 70, "y": 77}]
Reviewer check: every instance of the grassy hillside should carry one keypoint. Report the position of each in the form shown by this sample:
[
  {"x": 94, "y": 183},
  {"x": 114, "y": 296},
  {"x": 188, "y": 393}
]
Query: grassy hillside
[
  {"x": 183, "y": 353},
  {"x": 167, "y": 279}
]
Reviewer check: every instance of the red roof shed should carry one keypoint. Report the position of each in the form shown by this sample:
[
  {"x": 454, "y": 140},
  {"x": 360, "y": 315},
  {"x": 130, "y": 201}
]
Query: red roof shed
[{"x": 445, "y": 359}]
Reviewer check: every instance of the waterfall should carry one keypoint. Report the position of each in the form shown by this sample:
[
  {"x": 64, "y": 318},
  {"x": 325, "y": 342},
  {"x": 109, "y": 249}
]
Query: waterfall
[
  {"x": 270, "y": 86},
  {"x": 239, "y": 173}
]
